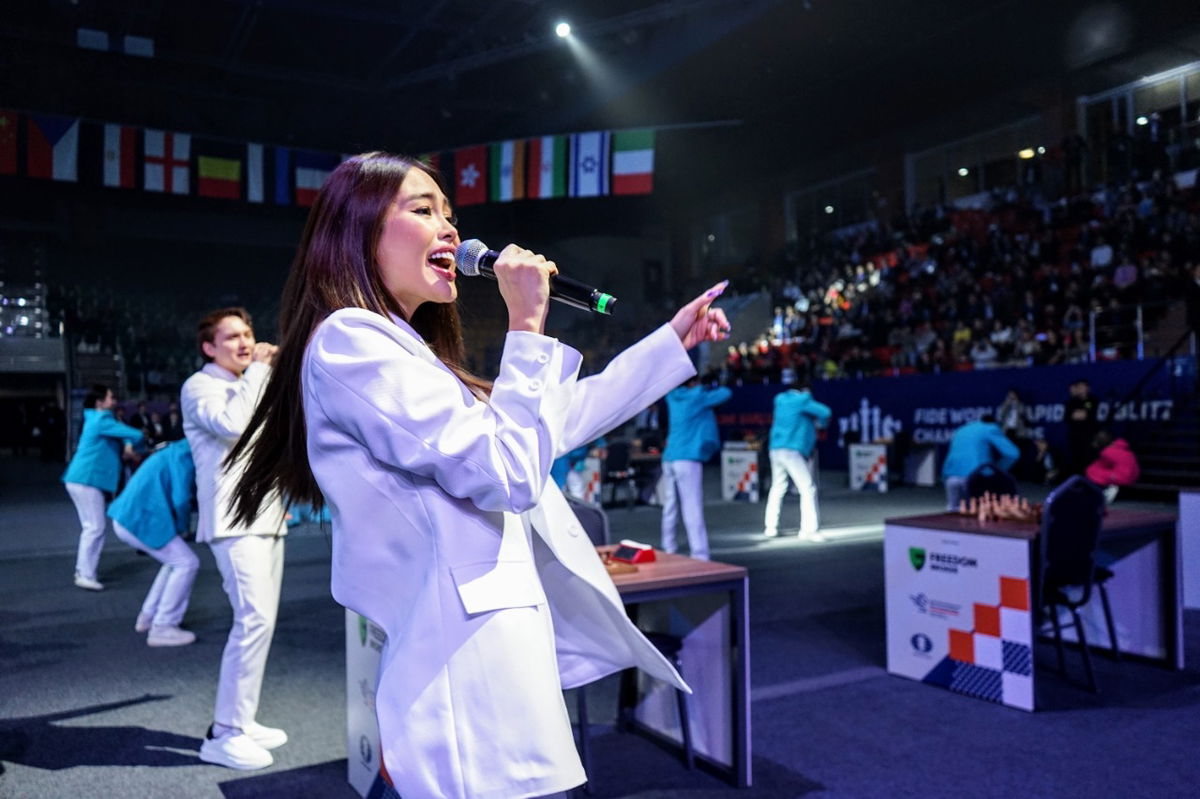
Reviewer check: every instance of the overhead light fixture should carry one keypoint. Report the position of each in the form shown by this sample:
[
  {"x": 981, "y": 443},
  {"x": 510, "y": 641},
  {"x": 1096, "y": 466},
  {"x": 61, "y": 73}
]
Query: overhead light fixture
[
  {"x": 963, "y": 171},
  {"x": 563, "y": 30},
  {"x": 829, "y": 209},
  {"x": 1041, "y": 150},
  {"x": 1025, "y": 154},
  {"x": 1143, "y": 120}
]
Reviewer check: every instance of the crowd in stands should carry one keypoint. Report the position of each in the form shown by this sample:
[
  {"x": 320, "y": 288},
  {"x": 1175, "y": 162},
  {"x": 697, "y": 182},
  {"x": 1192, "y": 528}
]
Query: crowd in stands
[{"x": 950, "y": 289}]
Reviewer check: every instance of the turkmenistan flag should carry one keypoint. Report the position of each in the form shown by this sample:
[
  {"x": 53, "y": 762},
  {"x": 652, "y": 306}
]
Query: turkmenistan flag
[
  {"x": 633, "y": 161},
  {"x": 508, "y": 171},
  {"x": 546, "y": 175}
]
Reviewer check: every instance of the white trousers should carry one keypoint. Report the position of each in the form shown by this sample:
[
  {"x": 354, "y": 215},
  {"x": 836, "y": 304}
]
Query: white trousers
[
  {"x": 684, "y": 484},
  {"x": 171, "y": 590},
  {"x": 788, "y": 465},
  {"x": 89, "y": 504},
  {"x": 251, "y": 573}
]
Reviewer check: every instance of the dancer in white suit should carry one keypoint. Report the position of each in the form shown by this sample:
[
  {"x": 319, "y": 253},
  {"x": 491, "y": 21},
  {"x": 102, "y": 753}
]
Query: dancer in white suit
[
  {"x": 447, "y": 530},
  {"x": 218, "y": 402}
]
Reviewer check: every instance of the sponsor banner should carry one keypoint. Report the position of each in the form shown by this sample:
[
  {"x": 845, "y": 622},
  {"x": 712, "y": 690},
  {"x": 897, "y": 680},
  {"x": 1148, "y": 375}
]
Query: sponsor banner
[
  {"x": 958, "y": 612},
  {"x": 868, "y": 467},
  {"x": 739, "y": 474},
  {"x": 364, "y": 645},
  {"x": 930, "y": 408}
]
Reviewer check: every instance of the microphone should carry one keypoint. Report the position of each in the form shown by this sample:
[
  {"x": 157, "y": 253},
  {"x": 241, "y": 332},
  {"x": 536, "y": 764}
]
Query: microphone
[{"x": 474, "y": 258}]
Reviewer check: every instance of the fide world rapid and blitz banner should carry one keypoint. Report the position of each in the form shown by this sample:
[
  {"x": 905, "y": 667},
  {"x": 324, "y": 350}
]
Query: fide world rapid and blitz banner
[{"x": 958, "y": 612}]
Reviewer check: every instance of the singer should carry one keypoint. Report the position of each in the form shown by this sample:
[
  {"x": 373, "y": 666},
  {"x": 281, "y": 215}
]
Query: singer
[{"x": 447, "y": 531}]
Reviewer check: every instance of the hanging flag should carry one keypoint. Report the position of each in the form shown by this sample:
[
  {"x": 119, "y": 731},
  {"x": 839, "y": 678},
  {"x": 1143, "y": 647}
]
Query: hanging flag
[
  {"x": 167, "y": 157},
  {"x": 633, "y": 161},
  {"x": 256, "y": 191},
  {"x": 508, "y": 171},
  {"x": 547, "y": 167},
  {"x": 311, "y": 170},
  {"x": 8, "y": 142},
  {"x": 431, "y": 160},
  {"x": 589, "y": 164},
  {"x": 120, "y": 143},
  {"x": 470, "y": 166},
  {"x": 219, "y": 169},
  {"x": 52, "y": 148}
]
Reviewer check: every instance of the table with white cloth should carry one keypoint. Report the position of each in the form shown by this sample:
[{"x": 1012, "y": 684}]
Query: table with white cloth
[
  {"x": 961, "y": 599},
  {"x": 705, "y": 603}
]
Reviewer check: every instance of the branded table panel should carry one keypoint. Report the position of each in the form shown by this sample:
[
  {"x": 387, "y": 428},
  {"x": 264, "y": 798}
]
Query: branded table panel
[
  {"x": 704, "y": 603},
  {"x": 961, "y": 599},
  {"x": 1189, "y": 544}
]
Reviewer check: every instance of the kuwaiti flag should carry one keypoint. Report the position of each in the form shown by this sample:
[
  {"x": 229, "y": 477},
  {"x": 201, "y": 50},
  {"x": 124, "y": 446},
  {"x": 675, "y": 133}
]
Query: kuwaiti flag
[
  {"x": 311, "y": 170},
  {"x": 546, "y": 170},
  {"x": 589, "y": 164},
  {"x": 470, "y": 175},
  {"x": 52, "y": 148},
  {"x": 508, "y": 171},
  {"x": 633, "y": 161},
  {"x": 8, "y": 142},
  {"x": 120, "y": 156},
  {"x": 167, "y": 160}
]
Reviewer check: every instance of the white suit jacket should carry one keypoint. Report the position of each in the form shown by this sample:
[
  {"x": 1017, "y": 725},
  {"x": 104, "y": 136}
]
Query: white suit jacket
[
  {"x": 448, "y": 533},
  {"x": 216, "y": 406}
]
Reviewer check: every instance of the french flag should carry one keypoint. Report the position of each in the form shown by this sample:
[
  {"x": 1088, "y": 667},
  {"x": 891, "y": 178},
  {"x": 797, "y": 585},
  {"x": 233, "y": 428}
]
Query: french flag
[{"x": 53, "y": 148}]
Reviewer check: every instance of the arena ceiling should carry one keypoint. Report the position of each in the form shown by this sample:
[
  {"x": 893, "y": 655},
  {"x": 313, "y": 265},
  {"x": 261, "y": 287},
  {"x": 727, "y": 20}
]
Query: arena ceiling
[{"x": 414, "y": 76}]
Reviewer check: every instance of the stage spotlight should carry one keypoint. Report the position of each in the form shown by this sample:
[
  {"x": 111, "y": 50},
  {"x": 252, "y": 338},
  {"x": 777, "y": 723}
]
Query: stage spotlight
[
  {"x": 1041, "y": 150},
  {"x": 1025, "y": 154},
  {"x": 963, "y": 171},
  {"x": 829, "y": 209},
  {"x": 563, "y": 30},
  {"x": 1143, "y": 120}
]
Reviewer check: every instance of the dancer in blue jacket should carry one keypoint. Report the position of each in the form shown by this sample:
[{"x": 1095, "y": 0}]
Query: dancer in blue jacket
[
  {"x": 149, "y": 514},
  {"x": 691, "y": 440},
  {"x": 94, "y": 471},
  {"x": 792, "y": 442}
]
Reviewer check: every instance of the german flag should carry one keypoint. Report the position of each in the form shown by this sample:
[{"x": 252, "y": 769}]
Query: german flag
[{"x": 219, "y": 169}]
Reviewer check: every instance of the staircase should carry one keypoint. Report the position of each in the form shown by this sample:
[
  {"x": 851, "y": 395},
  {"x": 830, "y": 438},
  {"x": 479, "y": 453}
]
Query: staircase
[{"x": 1169, "y": 451}]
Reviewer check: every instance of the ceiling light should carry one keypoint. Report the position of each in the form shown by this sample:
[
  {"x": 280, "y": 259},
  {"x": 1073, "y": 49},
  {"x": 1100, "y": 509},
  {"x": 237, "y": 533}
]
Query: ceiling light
[
  {"x": 563, "y": 30},
  {"x": 1025, "y": 154},
  {"x": 1041, "y": 150},
  {"x": 1143, "y": 120},
  {"x": 829, "y": 209},
  {"x": 963, "y": 171}
]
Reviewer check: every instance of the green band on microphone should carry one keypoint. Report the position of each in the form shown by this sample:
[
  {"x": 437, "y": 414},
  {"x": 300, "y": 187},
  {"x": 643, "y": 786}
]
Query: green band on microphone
[{"x": 603, "y": 301}]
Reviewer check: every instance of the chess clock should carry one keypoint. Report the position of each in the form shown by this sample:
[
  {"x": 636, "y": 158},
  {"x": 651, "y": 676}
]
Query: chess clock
[{"x": 633, "y": 552}]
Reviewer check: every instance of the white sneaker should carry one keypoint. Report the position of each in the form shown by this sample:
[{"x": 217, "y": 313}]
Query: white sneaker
[
  {"x": 144, "y": 620},
  {"x": 88, "y": 583},
  {"x": 266, "y": 737},
  {"x": 169, "y": 635},
  {"x": 814, "y": 536},
  {"x": 235, "y": 750}
]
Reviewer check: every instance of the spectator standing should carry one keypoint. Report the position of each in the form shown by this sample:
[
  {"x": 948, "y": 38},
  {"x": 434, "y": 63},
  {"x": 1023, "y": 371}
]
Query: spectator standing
[{"x": 1080, "y": 414}]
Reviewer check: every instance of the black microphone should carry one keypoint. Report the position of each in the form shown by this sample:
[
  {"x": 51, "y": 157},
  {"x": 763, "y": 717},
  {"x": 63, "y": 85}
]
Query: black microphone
[{"x": 474, "y": 258}]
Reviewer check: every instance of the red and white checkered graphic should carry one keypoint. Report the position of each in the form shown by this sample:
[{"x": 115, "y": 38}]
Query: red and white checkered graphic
[
  {"x": 879, "y": 466},
  {"x": 749, "y": 478}
]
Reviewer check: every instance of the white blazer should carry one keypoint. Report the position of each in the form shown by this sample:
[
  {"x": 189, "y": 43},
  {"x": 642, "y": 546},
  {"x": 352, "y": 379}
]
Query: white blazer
[
  {"x": 449, "y": 534},
  {"x": 216, "y": 406}
]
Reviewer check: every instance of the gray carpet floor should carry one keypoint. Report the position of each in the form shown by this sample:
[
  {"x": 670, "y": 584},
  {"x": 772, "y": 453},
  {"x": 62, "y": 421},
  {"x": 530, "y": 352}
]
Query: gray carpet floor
[{"x": 87, "y": 709}]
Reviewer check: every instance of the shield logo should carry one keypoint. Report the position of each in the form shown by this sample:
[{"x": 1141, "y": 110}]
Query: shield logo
[
  {"x": 362, "y": 630},
  {"x": 916, "y": 556}
]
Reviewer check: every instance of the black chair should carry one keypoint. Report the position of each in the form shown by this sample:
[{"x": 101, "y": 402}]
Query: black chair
[
  {"x": 619, "y": 472},
  {"x": 987, "y": 479},
  {"x": 1071, "y": 519},
  {"x": 595, "y": 523}
]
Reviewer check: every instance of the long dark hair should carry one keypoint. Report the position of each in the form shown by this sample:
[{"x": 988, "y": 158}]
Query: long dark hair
[{"x": 334, "y": 268}]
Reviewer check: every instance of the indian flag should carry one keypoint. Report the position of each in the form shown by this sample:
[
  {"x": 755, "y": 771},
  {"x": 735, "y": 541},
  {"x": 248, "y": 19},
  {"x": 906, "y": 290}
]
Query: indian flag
[
  {"x": 547, "y": 172},
  {"x": 633, "y": 161},
  {"x": 507, "y": 179}
]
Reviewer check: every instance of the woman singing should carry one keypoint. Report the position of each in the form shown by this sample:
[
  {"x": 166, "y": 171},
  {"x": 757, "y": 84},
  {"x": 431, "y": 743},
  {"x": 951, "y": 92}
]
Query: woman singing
[{"x": 447, "y": 531}]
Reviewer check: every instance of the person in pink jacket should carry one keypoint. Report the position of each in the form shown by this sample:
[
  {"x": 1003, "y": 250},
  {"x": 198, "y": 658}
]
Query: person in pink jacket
[{"x": 1116, "y": 465}]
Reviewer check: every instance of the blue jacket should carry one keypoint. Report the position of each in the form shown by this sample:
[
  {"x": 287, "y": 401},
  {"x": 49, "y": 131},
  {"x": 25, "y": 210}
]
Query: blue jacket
[
  {"x": 573, "y": 460},
  {"x": 977, "y": 443},
  {"x": 797, "y": 417},
  {"x": 692, "y": 425},
  {"x": 97, "y": 460},
  {"x": 157, "y": 502}
]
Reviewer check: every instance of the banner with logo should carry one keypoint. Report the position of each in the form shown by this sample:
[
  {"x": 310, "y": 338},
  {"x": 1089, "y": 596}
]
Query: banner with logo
[
  {"x": 364, "y": 647},
  {"x": 929, "y": 408},
  {"x": 958, "y": 612}
]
